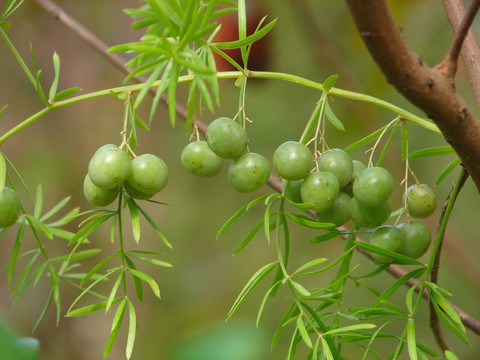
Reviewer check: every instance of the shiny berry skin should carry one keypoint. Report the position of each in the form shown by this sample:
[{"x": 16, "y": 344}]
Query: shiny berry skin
[
  {"x": 109, "y": 167},
  {"x": 320, "y": 189},
  {"x": 417, "y": 238},
  {"x": 339, "y": 163},
  {"x": 370, "y": 216},
  {"x": 226, "y": 138},
  {"x": 293, "y": 160},
  {"x": 134, "y": 193},
  {"x": 339, "y": 213},
  {"x": 98, "y": 196},
  {"x": 293, "y": 192},
  {"x": 373, "y": 186},
  {"x": 149, "y": 174},
  {"x": 198, "y": 158},
  {"x": 10, "y": 207},
  {"x": 249, "y": 172},
  {"x": 421, "y": 201},
  {"x": 358, "y": 167},
  {"x": 388, "y": 238}
]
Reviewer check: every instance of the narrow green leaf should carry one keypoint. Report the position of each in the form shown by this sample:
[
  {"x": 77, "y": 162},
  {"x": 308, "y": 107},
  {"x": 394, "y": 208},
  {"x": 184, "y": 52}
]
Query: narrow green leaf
[
  {"x": 411, "y": 340},
  {"x": 116, "y": 323},
  {"x": 91, "y": 308},
  {"x": 280, "y": 327},
  {"x": 248, "y": 40},
  {"x": 137, "y": 282},
  {"x": 443, "y": 303},
  {"x": 135, "y": 218},
  {"x": 309, "y": 265},
  {"x": 327, "y": 350},
  {"x": 447, "y": 170},
  {"x": 152, "y": 261},
  {"x": 54, "y": 86},
  {"x": 97, "y": 267},
  {"x": 17, "y": 174},
  {"x": 132, "y": 329},
  {"x": 409, "y": 298},
  {"x": 331, "y": 234},
  {"x": 171, "y": 92},
  {"x": 3, "y": 172},
  {"x": 303, "y": 332},
  {"x": 34, "y": 222},
  {"x": 426, "y": 350},
  {"x": 60, "y": 205},
  {"x": 44, "y": 310},
  {"x": 402, "y": 259},
  {"x": 246, "y": 240},
  {"x": 148, "y": 279},
  {"x": 251, "y": 284},
  {"x": 334, "y": 120},
  {"x": 38, "y": 202},
  {"x": 350, "y": 328},
  {"x": 15, "y": 251},
  {"x": 452, "y": 326},
  {"x": 450, "y": 355},
  {"x": 77, "y": 255},
  {"x": 300, "y": 289},
  {"x": 264, "y": 300},
  {"x": 366, "y": 139},
  {"x": 113, "y": 291},
  {"x": 308, "y": 222},
  {"x": 396, "y": 285},
  {"x": 433, "y": 151},
  {"x": 66, "y": 93},
  {"x": 330, "y": 82},
  {"x": 155, "y": 227}
]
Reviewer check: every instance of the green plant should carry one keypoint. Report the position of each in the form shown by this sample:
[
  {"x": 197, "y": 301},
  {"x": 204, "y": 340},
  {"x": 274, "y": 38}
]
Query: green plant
[
  {"x": 179, "y": 46},
  {"x": 421, "y": 201}
]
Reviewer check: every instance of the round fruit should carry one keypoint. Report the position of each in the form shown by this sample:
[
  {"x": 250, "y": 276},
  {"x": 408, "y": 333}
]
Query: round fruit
[
  {"x": 134, "y": 193},
  {"x": 320, "y": 189},
  {"x": 373, "y": 186},
  {"x": 293, "y": 191},
  {"x": 226, "y": 138},
  {"x": 358, "y": 167},
  {"x": 109, "y": 167},
  {"x": 293, "y": 160},
  {"x": 339, "y": 163},
  {"x": 417, "y": 238},
  {"x": 198, "y": 158},
  {"x": 370, "y": 216},
  {"x": 149, "y": 174},
  {"x": 10, "y": 207},
  {"x": 249, "y": 172},
  {"x": 388, "y": 238},
  {"x": 421, "y": 201},
  {"x": 339, "y": 213},
  {"x": 98, "y": 196}
]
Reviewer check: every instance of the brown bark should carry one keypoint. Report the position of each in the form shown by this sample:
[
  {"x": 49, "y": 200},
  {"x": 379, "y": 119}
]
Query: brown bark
[{"x": 428, "y": 88}]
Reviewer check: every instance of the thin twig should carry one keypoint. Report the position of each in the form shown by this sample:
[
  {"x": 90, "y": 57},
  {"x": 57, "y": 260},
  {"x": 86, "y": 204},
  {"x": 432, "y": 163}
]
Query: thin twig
[
  {"x": 275, "y": 183},
  {"x": 434, "y": 320},
  {"x": 455, "y": 10},
  {"x": 448, "y": 66}
]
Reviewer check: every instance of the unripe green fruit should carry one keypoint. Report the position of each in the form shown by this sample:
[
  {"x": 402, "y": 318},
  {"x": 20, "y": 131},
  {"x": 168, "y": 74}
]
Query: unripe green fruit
[
  {"x": 10, "y": 207},
  {"x": 134, "y": 193},
  {"x": 293, "y": 160},
  {"x": 198, "y": 158},
  {"x": 373, "y": 186},
  {"x": 417, "y": 238},
  {"x": 421, "y": 201},
  {"x": 249, "y": 172},
  {"x": 358, "y": 167},
  {"x": 226, "y": 138},
  {"x": 339, "y": 213},
  {"x": 320, "y": 189},
  {"x": 98, "y": 196},
  {"x": 149, "y": 174},
  {"x": 293, "y": 191},
  {"x": 370, "y": 216},
  {"x": 109, "y": 167},
  {"x": 388, "y": 238},
  {"x": 339, "y": 163}
]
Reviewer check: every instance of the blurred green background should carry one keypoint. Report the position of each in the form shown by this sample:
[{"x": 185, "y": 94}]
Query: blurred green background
[{"x": 313, "y": 39}]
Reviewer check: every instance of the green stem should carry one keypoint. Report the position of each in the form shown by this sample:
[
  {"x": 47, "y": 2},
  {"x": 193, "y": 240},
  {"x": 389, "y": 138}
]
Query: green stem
[
  {"x": 226, "y": 75},
  {"x": 120, "y": 240}
]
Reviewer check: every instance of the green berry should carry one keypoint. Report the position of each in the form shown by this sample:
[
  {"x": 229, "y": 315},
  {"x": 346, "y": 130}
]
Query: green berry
[
  {"x": 370, "y": 216},
  {"x": 388, "y": 238},
  {"x": 421, "y": 201},
  {"x": 339, "y": 213},
  {"x": 10, "y": 207},
  {"x": 293, "y": 160},
  {"x": 339, "y": 163},
  {"x": 373, "y": 186},
  {"x": 417, "y": 238},
  {"x": 198, "y": 158},
  {"x": 98, "y": 196},
  {"x": 320, "y": 189},
  {"x": 109, "y": 167},
  {"x": 149, "y": 174},
  {"x": 249, "y": 172},
  {"x": 226, "y": 138}
]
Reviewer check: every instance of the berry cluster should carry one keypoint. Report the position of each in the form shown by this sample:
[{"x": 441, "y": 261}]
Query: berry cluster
[
  {"x": 111, "y": 168},
  {"x": 226, "y": 139},
  {"x": 340, "y": 189}
]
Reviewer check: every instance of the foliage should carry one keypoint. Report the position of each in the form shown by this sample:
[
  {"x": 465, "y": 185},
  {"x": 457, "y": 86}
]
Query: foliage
[{"x": 178, "y": 46}]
